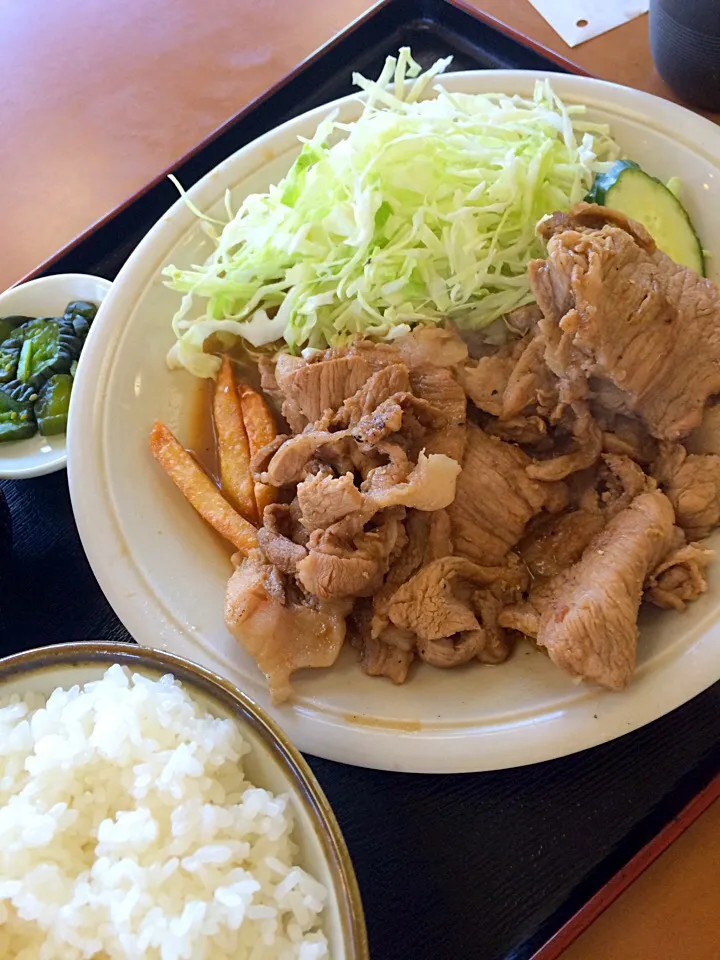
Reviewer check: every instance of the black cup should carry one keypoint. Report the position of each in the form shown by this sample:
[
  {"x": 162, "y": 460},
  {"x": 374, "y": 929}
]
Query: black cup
[{"x": 685, "y": 44}]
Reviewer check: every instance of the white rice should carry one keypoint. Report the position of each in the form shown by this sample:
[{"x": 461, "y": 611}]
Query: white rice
[{"x": 128, "y": 830}]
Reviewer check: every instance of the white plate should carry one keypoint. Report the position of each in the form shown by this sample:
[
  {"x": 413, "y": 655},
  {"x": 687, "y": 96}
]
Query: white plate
[
  {"x": 164, "y": 572},
  {"x": 44, "y": 297}
]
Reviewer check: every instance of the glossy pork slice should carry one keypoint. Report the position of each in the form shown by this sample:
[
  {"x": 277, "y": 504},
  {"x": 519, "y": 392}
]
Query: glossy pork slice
[
  {"x": 278, "y": 540},
  {"x": 324, "y": 499},
  {"x": 617, "y": 310},
  {"x": 281, "y": 633},
  {"x": 692, "y": 483},
  {"x": 486, "y": 379},
  {"x": 512, "y": 381},
  {"x": 309, "y": 389},
  {"x": 380, "y": 386},
  {"x": 440, "y": 389},
  {"x": 554, "y": 542},
  {"x": 586, "y": 617},
  {"x": 451, "y": 608},
  {"x": 347, "y": 560},
  {"x": 353, "y": 381},
  {"x": 681, "y": 576},
  {"x": 495, "y": 498},
  {"x": 388, "y": 653}
]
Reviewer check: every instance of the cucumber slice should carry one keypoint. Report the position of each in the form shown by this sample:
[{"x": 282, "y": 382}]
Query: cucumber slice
[
  {"x": 51, "y": 409},
  {"x": 8, "y": 325},
  {"x": 13, "y": 426},
  {"x": 17, "y": 421},
  {"x": 627, "y": 188},
  {"x": 605, "y": 181},
  {"x": 9, "y": 356},
  {"x": 10, "y": 404}
]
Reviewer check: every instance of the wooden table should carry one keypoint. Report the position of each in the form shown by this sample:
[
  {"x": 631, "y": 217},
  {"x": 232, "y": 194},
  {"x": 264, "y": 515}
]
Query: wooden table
[
  {"x": 98, "y": 98},
  {"x": 671, "y": 911}
]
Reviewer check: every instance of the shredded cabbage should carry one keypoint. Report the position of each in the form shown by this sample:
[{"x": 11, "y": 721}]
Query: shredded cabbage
[{"x": 421, "y": 210}]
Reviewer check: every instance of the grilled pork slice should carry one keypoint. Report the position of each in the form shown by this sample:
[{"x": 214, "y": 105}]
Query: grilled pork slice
[
  {"x": 619, "y": 314},
  {"x": 586, "y": 616}
]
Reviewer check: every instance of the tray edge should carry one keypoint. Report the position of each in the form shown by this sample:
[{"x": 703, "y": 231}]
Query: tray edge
[{"x": 583, "y": 918}]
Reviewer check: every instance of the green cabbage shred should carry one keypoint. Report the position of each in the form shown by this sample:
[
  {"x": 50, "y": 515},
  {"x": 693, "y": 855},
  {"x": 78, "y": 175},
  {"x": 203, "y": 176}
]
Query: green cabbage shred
[{"x": 420, "y": 210}]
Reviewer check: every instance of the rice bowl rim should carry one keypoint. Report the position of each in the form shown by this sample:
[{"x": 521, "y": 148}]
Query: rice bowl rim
[{"x": 303, "y": 781}]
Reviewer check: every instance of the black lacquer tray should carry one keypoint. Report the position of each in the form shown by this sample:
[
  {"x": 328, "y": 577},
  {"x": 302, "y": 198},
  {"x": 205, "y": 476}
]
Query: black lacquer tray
[{"x": 466, "y": 867}]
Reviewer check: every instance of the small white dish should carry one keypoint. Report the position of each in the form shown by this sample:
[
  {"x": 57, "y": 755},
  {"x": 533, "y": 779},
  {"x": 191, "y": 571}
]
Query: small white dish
[{"x": 44, "y": 297}]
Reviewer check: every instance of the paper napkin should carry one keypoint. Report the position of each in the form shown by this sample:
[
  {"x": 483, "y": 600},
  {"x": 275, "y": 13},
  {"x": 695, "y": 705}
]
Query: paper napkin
[{"x": 580, "y": 20}]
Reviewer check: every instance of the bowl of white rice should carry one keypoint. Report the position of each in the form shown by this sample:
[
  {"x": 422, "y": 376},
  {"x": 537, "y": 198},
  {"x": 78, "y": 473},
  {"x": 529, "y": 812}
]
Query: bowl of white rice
[{"x": 151, "y": 811}]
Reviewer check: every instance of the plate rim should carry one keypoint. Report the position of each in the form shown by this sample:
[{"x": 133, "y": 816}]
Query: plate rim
[{"x": 380, "y": 747}]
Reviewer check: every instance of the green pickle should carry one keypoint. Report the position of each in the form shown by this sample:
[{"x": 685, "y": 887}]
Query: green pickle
[
  {"x": 49, "y": 346},
  {"x": 9, "y": 356},
  {"x": 53, "y": 404},
  {"x": 16, "y": 426},
  {"x": 81, "y": 314},
  {"x": 82, "y": 308},
  {"x": 17, "y": 420},
  {"x": 13, "y": 404},
  {"x": 38, "y": 360},
  {"x": 9, "y": 324},
  {"x": 24, "y": 392},
  {"x": 24, "y": 367}
]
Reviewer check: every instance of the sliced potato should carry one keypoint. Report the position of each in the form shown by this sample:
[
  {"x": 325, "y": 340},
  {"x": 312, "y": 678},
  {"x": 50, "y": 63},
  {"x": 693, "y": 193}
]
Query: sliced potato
[
  {"x": 233, "y": 445},
  {"x": 261, "y": 429},
  {"x": 197, "y": 487}
]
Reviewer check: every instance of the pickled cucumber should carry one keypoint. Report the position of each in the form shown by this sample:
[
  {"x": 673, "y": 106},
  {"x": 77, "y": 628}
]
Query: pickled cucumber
[{"x": 52, "y": 407}]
